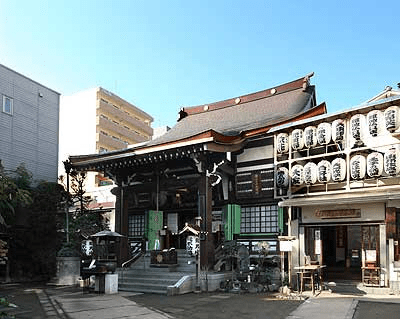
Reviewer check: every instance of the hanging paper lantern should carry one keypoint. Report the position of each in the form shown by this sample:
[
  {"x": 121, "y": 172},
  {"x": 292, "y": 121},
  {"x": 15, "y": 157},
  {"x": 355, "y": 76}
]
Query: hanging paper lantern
[
  {"x": 374, "y": 164},
  {"x": 297, "y": 139},
  {"x": 338, "y": 169},
  {"x": 310, "y": 173},
  {"x": 374, "y": 122},
  {"x": 391, "y": 161},
  {"x": 357, "y": 126},
  {"x": 282, "y": 177},
  {"x": 324, "y": 171},
  {"x": 324, "y": 133},
  {"x": 357, "y": 167},
  {"x": 282, "y": 143},
  {"x": 297, "y": 175},
  {"x": 310, "y": 136},
  {"x": 338, "y": 130},
  {"x": 391, "y": 115}
]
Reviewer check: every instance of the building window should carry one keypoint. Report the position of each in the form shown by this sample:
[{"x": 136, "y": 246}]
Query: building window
[
  {"x": 7, "y": 105},
  {"x": 259, "y": 219},
  {"x": 136, "y": 225}
]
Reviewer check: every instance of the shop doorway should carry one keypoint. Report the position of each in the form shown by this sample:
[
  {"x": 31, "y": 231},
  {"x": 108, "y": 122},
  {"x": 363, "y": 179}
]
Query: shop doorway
[{"x": 339, "y": 247}]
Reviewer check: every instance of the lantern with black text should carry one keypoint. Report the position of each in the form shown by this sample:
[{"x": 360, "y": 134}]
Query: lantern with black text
[
  {"x": 324, "y": 133},
  {"x": 357, "y": 167},
  {"x": 297, "y": 139},
  {"x": 297, "y": 175},
  {"x": 374, "y": 164},
  {"x": 338, "y": 169},
  {"x": 282, "y": 143},
  {"x": 310, "y": 173},
  {"x": 374, "y": 122},
  {"x": 324, "y": 171},
  {"x": 391, "y": 115},
  {"x": 357, "y": 126},
  {"x": 310, "y": 136},
  {"x": 338, "y": 130},
  {"x": 391, "y": 161},
  {"x": 282, "y": 177}
]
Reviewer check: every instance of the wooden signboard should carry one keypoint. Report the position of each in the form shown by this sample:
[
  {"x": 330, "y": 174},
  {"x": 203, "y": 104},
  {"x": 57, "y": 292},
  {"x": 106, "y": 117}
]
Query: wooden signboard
[{"x": 338, "y": 213}]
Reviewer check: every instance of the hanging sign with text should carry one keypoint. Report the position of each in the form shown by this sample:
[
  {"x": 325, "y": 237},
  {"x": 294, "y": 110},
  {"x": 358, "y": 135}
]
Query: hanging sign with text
[{"x": 339, "y": 213}]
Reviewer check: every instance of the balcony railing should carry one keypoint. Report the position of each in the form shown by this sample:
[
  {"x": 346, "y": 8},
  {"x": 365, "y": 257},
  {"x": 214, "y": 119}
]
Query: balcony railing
[
  {"x": 110, "y": 143},
  {"x": 123, "y": 117},
  {"x": 131, "y": 137}
]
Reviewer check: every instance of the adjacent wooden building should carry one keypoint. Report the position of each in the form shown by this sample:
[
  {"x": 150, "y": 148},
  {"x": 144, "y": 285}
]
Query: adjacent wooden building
[{"x": 337, "y": 176}]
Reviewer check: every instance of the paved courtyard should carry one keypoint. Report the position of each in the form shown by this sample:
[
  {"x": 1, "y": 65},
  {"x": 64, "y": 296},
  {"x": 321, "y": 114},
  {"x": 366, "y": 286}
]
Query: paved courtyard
[{"x": 41, "y": 301}]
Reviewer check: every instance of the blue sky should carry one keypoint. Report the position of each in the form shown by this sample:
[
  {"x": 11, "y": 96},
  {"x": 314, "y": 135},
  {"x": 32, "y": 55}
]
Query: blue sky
[{"x": 162, "y": 55}]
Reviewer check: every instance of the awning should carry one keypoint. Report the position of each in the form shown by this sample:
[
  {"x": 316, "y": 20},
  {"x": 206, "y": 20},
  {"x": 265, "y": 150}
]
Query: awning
[{"x": 342, "y": 198}]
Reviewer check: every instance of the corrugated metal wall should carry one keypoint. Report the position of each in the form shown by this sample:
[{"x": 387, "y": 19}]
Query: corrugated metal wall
[{"x": 30, "y": 134}]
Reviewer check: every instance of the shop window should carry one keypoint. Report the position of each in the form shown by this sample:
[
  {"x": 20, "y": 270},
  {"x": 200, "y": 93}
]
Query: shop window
[
  {"x": 136, "y": 225},
  {"x": 259, "y": 219},
  {"x": 370, "y": 244}
]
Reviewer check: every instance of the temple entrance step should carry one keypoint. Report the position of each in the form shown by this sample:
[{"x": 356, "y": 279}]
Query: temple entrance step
[{"x": 147, "y": 281}]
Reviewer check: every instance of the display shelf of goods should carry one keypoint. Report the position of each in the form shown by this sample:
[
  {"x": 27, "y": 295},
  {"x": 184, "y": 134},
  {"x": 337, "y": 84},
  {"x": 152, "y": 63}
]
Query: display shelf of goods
[
  {"x": 338, "y": 130},
  {"x": 324, "y": 133},
  {"x": 310, "y": 173},
  {"x": 324, "y": 171},
  {"x": 297, "y": 175},
  {"x": 297, "y": 139},
  {"x": 338, "y": 166},
  {"x": 357, "y": 126},
  {"x": 391, "y": 115},
  {"x": 391, "y": 161},
  {"x": 282, "y": 143},
  {"x": 310, "y": 136},
  {"x": 282, "y": 177},
  {"x": 375, "y": 122},
  {"x": 357, "y": 167},
  {"x": 374, "y": 164}
]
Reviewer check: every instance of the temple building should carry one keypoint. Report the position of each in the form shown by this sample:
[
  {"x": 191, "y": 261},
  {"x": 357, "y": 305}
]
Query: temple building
[{"x": 214, "y": 168}]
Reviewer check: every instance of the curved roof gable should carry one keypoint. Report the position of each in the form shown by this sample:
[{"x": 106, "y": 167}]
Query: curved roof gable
[{"x": 245, "y": 113}]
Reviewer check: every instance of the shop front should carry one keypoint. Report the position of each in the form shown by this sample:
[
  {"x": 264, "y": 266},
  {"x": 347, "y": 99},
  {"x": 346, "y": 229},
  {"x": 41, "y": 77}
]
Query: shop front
[
  {"x": 347, "y": 240},
  {"x": 338, "y": 176}
]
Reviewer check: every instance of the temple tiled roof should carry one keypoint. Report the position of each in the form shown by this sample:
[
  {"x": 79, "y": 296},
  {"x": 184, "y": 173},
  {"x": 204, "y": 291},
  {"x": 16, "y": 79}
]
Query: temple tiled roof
[{"x": 235, "y": 116}]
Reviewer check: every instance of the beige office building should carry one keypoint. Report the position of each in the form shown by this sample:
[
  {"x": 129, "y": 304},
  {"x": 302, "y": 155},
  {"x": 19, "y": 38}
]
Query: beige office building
[{"x": 97, "y": 121}]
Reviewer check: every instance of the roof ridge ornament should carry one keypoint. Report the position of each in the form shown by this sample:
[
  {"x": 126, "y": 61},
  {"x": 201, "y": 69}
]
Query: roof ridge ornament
[{"x": 306, "y": 80}]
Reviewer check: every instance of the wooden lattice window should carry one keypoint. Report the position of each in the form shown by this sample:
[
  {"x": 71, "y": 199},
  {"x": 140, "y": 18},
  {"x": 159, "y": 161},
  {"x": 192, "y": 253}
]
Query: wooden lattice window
[{"x": 136, "y": 225}]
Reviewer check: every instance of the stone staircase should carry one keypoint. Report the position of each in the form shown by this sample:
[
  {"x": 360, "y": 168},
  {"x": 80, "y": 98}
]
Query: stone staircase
[{"x": 146, "y": 278}]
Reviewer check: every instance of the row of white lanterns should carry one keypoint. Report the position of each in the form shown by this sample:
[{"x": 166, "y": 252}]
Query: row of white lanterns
[
  {"x": 372, "y": 124},
  {"x": 373, "y": 165}
]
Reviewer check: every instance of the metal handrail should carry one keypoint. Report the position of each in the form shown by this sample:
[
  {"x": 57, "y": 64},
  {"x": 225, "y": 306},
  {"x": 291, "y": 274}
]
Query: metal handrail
[{"x": 134, "y": 258}]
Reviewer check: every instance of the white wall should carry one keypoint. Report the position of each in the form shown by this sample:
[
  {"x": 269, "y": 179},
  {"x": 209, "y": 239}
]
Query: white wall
[
  {"x": 77, "y": 125},
  {"x": 253, "y": 154}
]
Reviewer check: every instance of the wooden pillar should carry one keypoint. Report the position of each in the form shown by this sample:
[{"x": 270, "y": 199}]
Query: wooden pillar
[
  {"x": 121, "y": 224},
  {"x": 205, "y": 212}
]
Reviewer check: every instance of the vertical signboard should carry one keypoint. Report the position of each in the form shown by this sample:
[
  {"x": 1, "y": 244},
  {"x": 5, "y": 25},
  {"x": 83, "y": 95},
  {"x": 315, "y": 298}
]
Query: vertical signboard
[{"x": 155, "y": 223}]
